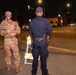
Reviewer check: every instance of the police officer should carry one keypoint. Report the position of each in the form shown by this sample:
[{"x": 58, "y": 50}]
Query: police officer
[
  {"x": 10, "y": 41},
  {"x": 39, "y": 29}
]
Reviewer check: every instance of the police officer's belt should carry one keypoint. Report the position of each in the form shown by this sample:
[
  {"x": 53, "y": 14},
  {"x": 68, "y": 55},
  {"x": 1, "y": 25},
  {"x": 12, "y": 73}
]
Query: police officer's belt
[{"x": 38, "y": 39}]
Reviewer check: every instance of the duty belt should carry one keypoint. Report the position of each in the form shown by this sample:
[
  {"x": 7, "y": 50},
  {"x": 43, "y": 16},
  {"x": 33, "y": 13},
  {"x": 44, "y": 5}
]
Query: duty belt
[{"x": 38, "y": 39}]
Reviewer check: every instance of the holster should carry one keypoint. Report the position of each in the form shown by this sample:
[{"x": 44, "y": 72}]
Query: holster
[{"x": 45, "y": 39}]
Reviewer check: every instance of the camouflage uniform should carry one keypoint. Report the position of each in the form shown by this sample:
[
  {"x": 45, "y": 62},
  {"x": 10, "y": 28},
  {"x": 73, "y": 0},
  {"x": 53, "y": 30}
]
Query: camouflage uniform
[{"x": 10, "y": 41}]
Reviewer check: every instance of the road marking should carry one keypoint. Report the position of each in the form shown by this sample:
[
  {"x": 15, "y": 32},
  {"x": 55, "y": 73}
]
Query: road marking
[
  {"x": 62, "y": 49},
  {"x": 61, "y": 31}
]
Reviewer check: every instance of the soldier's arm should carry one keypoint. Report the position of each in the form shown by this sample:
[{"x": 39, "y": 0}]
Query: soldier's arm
[
  {"x": 18, "y": 30},
  {"x": 2, "y": 34},
  {"x": 2, "y": 30}
]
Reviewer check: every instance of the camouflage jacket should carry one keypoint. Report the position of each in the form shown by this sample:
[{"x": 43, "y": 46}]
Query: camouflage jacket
[{"x": 9, "y": 28}]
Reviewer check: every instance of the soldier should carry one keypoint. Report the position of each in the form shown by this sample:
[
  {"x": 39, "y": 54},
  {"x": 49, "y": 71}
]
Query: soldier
[
  {"x": 40, "y": 28},
  {"x": 10, "y": 41}
]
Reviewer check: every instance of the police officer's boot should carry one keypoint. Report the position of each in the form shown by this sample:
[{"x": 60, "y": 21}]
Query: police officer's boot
[
  {"x": 47, "y": 74},
  {"x": 9, "y": 67}
]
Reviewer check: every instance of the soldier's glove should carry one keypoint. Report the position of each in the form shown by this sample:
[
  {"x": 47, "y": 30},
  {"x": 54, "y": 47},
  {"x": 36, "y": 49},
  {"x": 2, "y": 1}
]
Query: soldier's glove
[{"x": 2, "y": 30}]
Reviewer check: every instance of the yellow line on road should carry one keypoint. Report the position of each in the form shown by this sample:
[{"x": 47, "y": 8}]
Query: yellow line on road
[
  {"x": 52, "y": 47},
  {"x": 62, "y": 49}
]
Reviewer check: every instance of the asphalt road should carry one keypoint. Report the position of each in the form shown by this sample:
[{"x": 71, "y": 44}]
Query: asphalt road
[{"x": 62, "y": 53}]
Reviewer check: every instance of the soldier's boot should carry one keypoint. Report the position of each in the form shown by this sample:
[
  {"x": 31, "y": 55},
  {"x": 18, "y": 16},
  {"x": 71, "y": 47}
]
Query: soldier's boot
[
  {"x": 18, "y": 69},
  {"x": 9, "y": 67}
]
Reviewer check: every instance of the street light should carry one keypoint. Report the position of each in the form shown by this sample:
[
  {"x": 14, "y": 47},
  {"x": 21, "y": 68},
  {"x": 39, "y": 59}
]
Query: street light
[
  {"x": 68, "y": 4},
  {"x": 29, "y": 7},
  {"x": 65, "y": 11},
  {"x": 39, "y": 1},
  {"x": 59, "y": 15}
]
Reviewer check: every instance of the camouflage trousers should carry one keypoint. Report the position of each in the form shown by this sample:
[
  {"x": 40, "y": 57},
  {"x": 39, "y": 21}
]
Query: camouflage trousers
[{"x": 11, "y": 44}]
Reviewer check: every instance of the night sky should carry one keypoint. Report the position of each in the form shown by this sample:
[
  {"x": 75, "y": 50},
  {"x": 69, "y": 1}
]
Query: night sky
[{"x": 19, "y": 7}]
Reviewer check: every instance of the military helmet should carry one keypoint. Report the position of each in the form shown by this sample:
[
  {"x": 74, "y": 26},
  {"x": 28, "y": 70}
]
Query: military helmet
[{"x": 8, "y": 13}]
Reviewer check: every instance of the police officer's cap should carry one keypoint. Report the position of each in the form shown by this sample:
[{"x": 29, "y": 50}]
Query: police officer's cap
[
  {"x": 8, "y": 13},
  {"x": 39, "y": 9}
]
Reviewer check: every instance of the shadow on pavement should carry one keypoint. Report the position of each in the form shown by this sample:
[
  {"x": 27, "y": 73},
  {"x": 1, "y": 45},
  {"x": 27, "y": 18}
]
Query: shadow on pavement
[{"x": 5, "y": 72}]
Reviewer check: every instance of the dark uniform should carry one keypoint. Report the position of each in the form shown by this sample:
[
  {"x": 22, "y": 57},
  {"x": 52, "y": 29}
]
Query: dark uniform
[{"x": 39, "y": 29}]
